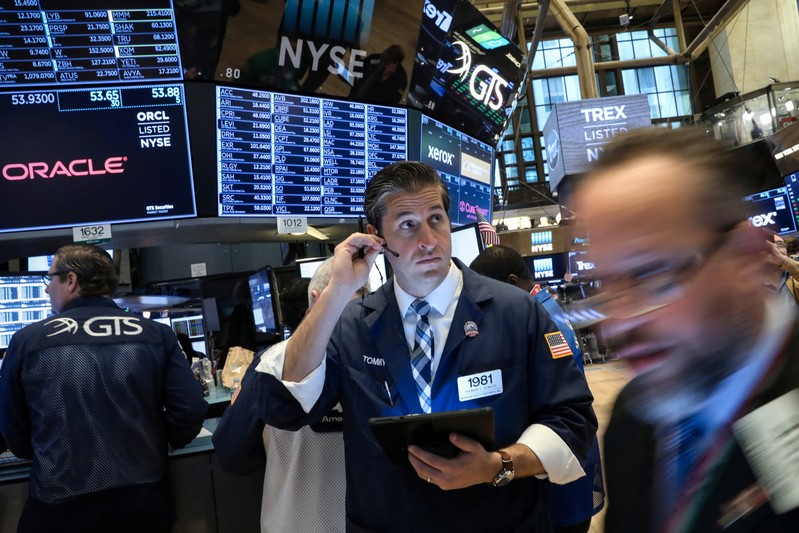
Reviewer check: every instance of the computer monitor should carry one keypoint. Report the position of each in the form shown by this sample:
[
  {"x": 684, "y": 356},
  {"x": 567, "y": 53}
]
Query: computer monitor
[
  {"x": 190, "y": 325},
  {"x": 466, "y": 243},
  {"x": 377, "y": 276},
  {"x": 23, "y": 301},
  {"x": 772, "y": 209},
  {"x": 264, "y": 300}
]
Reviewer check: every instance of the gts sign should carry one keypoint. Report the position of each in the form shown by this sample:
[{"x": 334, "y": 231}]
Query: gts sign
[{"x": 99, "y": 326}]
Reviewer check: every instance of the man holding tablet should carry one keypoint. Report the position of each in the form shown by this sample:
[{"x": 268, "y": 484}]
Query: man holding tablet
[{"x": 438, "y": 337}]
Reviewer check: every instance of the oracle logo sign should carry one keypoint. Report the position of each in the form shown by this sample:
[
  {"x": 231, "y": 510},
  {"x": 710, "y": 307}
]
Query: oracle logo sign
[{"x": 76, "y": 167}]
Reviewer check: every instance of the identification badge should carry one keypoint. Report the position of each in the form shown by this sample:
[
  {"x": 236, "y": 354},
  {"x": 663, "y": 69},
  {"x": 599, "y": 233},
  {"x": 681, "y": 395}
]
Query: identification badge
[
  {"x": 769, "y": 437},
  {"x": 480, "y": 385}
]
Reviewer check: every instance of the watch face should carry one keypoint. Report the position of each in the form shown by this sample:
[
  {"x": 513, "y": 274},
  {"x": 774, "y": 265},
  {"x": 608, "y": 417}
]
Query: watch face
[{"x": 503, "y": 478}]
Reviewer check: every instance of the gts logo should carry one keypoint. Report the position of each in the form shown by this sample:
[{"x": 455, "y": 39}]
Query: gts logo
[{"x": 437, "y": 154}]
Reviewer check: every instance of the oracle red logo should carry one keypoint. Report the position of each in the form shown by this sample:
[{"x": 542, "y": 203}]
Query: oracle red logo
[{"x": 76, "y": 167}]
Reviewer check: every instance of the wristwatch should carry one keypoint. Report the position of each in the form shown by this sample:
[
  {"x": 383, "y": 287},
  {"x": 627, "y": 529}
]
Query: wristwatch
[{"x": 506, "y": 474}]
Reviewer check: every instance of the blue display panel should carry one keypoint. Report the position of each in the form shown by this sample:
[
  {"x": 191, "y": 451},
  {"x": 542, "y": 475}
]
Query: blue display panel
[
  {"x": 99, "y": 155},
  {"x": 281, "y": 154},
  {"x": 22, "y": 302},
  {"x": 464, "y": 164},
  {"x": 74, "y": 42},
  {"x": 772, "y": 210}
]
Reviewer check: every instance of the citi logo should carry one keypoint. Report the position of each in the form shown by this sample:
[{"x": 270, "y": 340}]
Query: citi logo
[
  {"x": 76, "y": 167},
  {"x": 437, "y": 154},
  {"x": 442, "y": 19}
]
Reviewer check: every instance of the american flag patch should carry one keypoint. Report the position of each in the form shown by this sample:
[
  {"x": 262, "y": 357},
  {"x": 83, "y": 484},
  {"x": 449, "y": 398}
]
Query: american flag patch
[{"x": 557, "y": 344}]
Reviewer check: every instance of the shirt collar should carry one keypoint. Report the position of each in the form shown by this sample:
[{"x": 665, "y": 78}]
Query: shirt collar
[{"x": 439, "y": 298}]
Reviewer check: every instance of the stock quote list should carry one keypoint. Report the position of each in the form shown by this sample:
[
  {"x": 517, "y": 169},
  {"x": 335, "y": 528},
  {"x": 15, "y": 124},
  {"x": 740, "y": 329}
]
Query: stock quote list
[
  {"x": 41, "y": 42},
  {"x": 283, "y": 154}
]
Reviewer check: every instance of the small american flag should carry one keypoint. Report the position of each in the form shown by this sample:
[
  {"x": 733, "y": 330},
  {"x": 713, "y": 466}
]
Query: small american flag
[
  {"x": 487, "y": 231},
  {"x": 558, "y": 346}
]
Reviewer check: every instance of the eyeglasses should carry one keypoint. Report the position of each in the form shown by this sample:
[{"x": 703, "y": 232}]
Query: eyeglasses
[
  {"x": 649, "y": 289},
  {"x": 47, "y": 278}
]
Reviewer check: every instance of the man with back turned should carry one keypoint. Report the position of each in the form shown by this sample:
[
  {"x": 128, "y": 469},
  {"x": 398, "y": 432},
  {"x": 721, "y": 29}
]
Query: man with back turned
[
  {"x": 94, "y": 396},
  {"x": 412, "y": 347},
  {"x": 682, "y": 271}
]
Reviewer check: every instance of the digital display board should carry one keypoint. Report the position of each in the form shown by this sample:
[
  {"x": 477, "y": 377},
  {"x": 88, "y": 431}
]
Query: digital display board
[
  {"x": 547, "y": 267},
  {"x": 281, "y": 154},
  {"x": 772, "y": 209},
  {"x": 189, "y": 325},
  {"x": 59, "y": 42},
  {"x": 100, "y": 155},
  {"x": 464, "y": 164},
  {"x": 263, "y": 304},
  {"x": 22, "y": 302}
]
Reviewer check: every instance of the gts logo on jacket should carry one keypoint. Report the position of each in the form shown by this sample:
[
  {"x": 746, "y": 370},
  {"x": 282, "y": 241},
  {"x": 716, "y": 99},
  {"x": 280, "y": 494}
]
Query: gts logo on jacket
[{"x": 99, "y": 326}]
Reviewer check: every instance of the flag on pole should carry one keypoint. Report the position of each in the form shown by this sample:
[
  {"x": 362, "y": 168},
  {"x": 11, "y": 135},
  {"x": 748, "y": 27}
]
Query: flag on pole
[{"x": 487, "y": 231}]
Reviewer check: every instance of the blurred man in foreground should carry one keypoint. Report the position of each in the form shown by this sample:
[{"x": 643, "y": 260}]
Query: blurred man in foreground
[{"x": 683, "y": 273}]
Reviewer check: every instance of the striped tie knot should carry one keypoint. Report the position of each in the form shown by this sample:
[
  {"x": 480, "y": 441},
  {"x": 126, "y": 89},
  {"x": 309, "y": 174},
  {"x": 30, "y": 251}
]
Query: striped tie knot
[{"x": 421, "y": 307}]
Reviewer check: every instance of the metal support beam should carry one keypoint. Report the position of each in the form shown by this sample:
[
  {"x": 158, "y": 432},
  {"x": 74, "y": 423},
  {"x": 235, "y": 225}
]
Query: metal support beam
[
  {"x": 679, "y": 25},
  {"x": 663, "y": 46},
  {"x": 582, "y": 48},
  {"x": 611, "y": 65},
  {"x": 719, "y": 21},
  {"x": 543, "y": 10}
]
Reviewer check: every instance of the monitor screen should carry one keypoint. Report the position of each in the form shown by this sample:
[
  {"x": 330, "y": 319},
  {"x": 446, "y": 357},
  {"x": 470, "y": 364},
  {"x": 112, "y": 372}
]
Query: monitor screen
[
  {"x": 22, "y": 302},
  {"x": 579, "y": 264},
  {"x": 547, "y": 267},
  {"x": 162, "y": 320},
  {"x": 190, "y": 325},
  {"x": 40, "y": 263},
  {"x": 199, "y": 346},
  {"x": 263, "y": 303},
  {"x": 282, "y": 154},
  {"x": 465, "y": 73},
  {"x": 62, "y": 43},
  {"x": 772, "y": 210},
  {"x": 85, "y": 156},
  {"x": 466, "y": 243},
  {"x": 464, "y": 164},
  {"x": 378, "y": 275}
]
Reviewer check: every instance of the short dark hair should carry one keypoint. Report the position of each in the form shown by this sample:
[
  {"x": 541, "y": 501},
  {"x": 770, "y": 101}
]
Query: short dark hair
[
  {"x": 499, "y": 262},
  {"x": 403, "y": 176},
  {"x": 294, "y": 302},
  {"x": 93, "y": 267},
  {"x": 721, "y": 173}
]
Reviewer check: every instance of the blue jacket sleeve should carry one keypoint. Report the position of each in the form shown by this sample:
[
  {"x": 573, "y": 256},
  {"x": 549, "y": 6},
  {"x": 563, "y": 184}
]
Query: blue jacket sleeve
[
  {"x": 238, "y": 440},
  {"x": 15, "y": 424},
  {"x": 184, "y": 405}
]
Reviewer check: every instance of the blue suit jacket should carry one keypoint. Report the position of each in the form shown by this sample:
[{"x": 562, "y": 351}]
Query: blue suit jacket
[{"x": 368, "y": 351}]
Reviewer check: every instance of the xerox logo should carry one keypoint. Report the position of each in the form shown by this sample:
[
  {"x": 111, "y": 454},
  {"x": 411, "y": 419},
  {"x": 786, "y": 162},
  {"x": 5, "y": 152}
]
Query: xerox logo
[
  {"x": 76, "y": 167},
  {"x": 441, "y": 18},
  {"x": 437, "y": 154}
]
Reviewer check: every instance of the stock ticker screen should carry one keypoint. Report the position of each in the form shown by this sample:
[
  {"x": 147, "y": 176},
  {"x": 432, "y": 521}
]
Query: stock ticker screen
[
  {"x": 58, "y": 42},
  {"x": 282, "y": 154},
  {"x": 22, "y": 302},
  {"x": 80, "y": 155}
]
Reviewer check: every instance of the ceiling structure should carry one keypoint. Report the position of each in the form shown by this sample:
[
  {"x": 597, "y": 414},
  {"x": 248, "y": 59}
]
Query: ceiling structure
[{"x": 600, "y": 16}]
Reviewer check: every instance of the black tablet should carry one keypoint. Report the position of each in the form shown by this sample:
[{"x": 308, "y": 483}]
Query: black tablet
[{"x": 431, "y": 431}]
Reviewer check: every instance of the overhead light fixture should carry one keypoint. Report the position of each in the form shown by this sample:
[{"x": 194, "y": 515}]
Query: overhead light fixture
[
  {"x": 765, "y": 119},
  {"x": 789, "y": 105}
]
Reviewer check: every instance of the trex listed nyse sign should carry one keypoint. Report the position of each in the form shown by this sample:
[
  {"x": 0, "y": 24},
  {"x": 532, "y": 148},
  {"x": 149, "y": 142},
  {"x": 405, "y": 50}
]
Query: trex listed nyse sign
[{"x": 577, "y": 131}]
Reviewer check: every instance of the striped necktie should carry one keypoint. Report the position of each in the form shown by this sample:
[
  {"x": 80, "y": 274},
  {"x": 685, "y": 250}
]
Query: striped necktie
[{"x": 422, "y": 355}]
